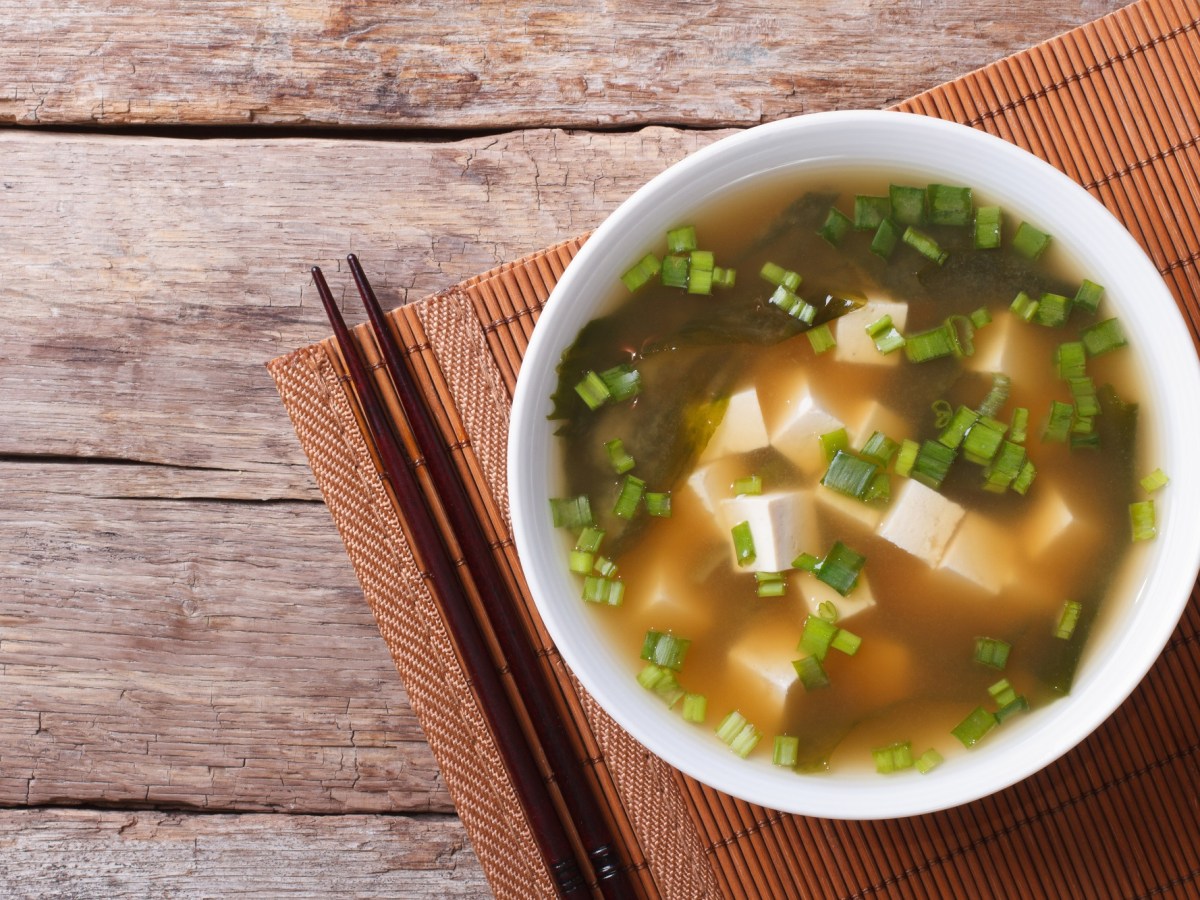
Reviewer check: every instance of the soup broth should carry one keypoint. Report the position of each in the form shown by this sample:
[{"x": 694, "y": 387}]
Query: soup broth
[{"x": 715, "y": 370}]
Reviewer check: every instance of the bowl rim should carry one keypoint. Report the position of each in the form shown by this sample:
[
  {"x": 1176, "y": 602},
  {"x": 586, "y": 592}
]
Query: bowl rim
[{"x": 828, "y": 138}]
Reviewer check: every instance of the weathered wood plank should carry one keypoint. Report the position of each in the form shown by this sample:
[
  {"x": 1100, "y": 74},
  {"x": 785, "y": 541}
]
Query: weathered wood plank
[
  {"x": 379, "y": 63},
  {"x": 87, "y": 854}
]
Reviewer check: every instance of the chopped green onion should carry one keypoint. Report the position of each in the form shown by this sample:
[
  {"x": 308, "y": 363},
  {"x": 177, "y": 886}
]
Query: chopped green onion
[
  {"x": 887, "y": 235},
  {"x": 997, "y": 396},
  {"x": 1156, "y": 480},
  {"x": 1016, "y": 705},
  {"x": 933, "y": 464},
  {"x": 1084, "y": 441},
  {"x": 835, "y": 227},
  {"x": 992, "y": 652},
  {"x": 674, "y": 271},
  {"x": 739, "y": 734},
  {"x": 943, "y": 412},
  {"x": 701, "y": 260},
  {"x": 724, "y": 277},
  {"x": 1083, "y": 392},
  {"x": 983, "y": 439},
  {"x": 1058, "y": 426},
  {"x": 593, "y": 391},
  {"x": 840, "y": 568},
  {"x": 580, "y": 561},
  {"x": 806, "y": 561},
  {"x": 980, "y": 318},
  {"x": 623, "y": 382},
  {"x": 879, "y": 448},
  {"x": 661, "y": 681},
  {"x": 925, "y": 245},
  {"x": 658, "y": 504},
  {"x": 750, "y": 484},
  {"x": 821, "y": 338},
  {"x": 848, "y": 474},
  {"x": 589, "y": 539},
  {"x": 1103, "y": 337},
  {"x": 827, "y": 610},
  {"x": 700, "y": 281},
  {"x": 817, "y": 636},
  {"x": 906, "y": 457},
  {"x": 770, "y": 584},
  {"x": 893, "y": 758},
  {"x": 695, "y": 707},
  {"x": 602, "y": 590},
  {"x": 1053, "y": 309},
  {"x": 987, "y": 227},
  {"x": 1070, "y": 358},
  {"x": 641, "y": 273},
  {"x": 948, "y": 205},
  {"x": 781, "y": 277},
  {"x": 972, "y": 729},
  {"x": 832, "y": 442},
  {"x": 665, "y": 649},
  {"x": 632, "y": 489},
  {"x": 908, "y": 204},
  {"x": 932, "y": 344},
  {"x": 1088, "y": 296},
  {"x": 786, "y": 751},
  {"x": 571, "y": 512},
  {"x": 846, "y": 642},
  {"x": 1068, "y": 619},
  {"x": 605, "y": 566},
  {"x": 869, "y": 212},
  {"x": 682, "y": 239},
  {"x": 1002, "y": 692},
  {"x": 1024, "y": 307},
  {"x": 1142, "y": 520},
  {"x": 793, "y": 305},
  {"x": 1029, "y": 241},
  {"x": 743, "y": 544},
  {"x": 1018, "y": 430},
  {"x": 811, "y": 673},
  {"x": 887, "y": 339},
  {"x": 952, "y": 435},
  {"x": 1024, "y": 478},
  {"x": 620, "y": 460},
  {"x": 1005, "y": 468},
  {"x": 928, "y": 761},
  {"x": 962, "y": 335}
]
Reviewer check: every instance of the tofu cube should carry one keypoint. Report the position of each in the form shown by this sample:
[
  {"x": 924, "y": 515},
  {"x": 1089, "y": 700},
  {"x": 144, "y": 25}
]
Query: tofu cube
[
  {"x": 760, "y": 660},
  {"x": 920, "y": 521},
  {"x": 849, "y": 509},
  {"x": 871, "y": 417},
  {"x": 817, "y": 592},
  {"x": 1049, "y": 519},
  {"x": 854, "y": 345},
  {"x": 983, "y": 553},
  {"x": 993, "y": 345},
  {"x": 781, "y": 523},
  {"x": 801, "y": 423},
  {"x": 742, "y": 429},
  {"x": 713, "y": 483},
  {"x": 668, "y": 605}
]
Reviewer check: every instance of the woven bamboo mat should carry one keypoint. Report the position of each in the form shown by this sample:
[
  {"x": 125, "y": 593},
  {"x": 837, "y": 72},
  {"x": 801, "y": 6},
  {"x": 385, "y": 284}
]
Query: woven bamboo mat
[{"x": 1116, "y": 105}]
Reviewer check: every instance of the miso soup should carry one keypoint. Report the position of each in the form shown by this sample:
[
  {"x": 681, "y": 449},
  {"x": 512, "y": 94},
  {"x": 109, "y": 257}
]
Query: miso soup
[{"x": 872, "y": 496}]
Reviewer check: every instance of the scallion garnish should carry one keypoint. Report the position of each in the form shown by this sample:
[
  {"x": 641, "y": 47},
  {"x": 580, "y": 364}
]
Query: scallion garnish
[
  {"x": 932, "y": 344},
  {"x": 593, "y": 391},
  {"x": 623, "y": 382},
  {"x": 850, "y": 475},
  {"x": 980, "y": 317},
  {"x": 793, "y": 305},
  {"x": 925, "y": 245},
  {"x": 948, "y": 205},
  {"x": 1002, "y": 692},
  {"x": 952, "y": 435},
  {"x": 1029, "y": 241},
  {"x": 834, "y": 441},
  {"x": 1068, "y": 619},
  {"x": 972, "y": 729},
  {"x": 1058, "y": 426},
  {"x": 1053, "y": 309},
  {"x": 840, "y": 568},
  {"x": 806, "y": 562},
  {"x": 738, "y": 733},
  {"x": 580, "y": 561},
  {"x": 1025, "y": 477},
  {"x": 1088, "y": 296},
  {"x": 886, "y": 237},
  {"x": 695, "y": 707},
  {"x": 932, "y": 464},
  {"x": 749, "y": 484},
  {"x": 589, "y": 538},
  {"x": 997, "y": 396},
  {"x": 908, "y": 204},
  {"x": 743, "y": 544},
  {"x": 1015, "y": 705},
  {"x": 1024, "y": 307},
  {"x": 682, "y": 239},
  {"x": 906, "y": 456},
  {"x": 811, "y": 673},
  {"x": 983, "y": 439},
  {"x": 1156, "y": 480},
  {"x": 779, "y": 276},
  {"x": 618, "y": 457},
  {"x": 817, "y": 636},
  {"x": 665, "y": 649},
  {"x": 571, "y": 512},
  {"x": 827, "y": 610},
  {"x": 1083, "y": 392},
  {"x": 846, "y": 642},
  {"x": 605, "y": 566},
  {"x": 1005, "y": 468},
  {"x": 1070, "y": 358},
  {"x": 786, "y": 751},
  {"x": 821, "y": 338},
  {"x": 1103, "y": 337},
  {"x": 632, "y": 489},
  {"x": 770, "y": 584},
  {"x": 893, "y": 758},
  {"x": 987, "y": 227},
  {"x": 836, "y": 226},
  {"x": 879, "y": 449},
  {"x": 661, "y": 681},
  {"x": 928, "y": 761},
  {"x": 674, "y": 271},
  {"x": 603, "y": 590},
  {"x": 869, "y": 212},
  {"x": 885, "y": 335},
  {"x": 1018, "y": 430},
  {"x": 943, "y": 412},
  {"x": 992, "y": 652},
  {"x": 641, "y": 273},
  {"x": 1142, "y": 520},
  {"x": 658, "y": 504}
]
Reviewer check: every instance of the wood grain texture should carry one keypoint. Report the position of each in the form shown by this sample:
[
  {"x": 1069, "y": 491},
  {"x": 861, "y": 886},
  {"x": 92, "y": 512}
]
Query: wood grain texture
[
  {"x": 86, "y": 854},
  {"x": 494, "y": 64}
]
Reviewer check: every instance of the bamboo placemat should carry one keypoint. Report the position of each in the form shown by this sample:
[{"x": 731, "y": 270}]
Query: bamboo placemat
[{"x": 1116, "y": 105}]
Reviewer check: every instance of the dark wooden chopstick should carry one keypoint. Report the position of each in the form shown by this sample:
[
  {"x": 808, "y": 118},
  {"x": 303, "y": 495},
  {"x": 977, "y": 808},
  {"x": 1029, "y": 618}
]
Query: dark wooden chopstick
[
  {"x": 514, "y": 641},
  {"x": 549, "y": 831}
]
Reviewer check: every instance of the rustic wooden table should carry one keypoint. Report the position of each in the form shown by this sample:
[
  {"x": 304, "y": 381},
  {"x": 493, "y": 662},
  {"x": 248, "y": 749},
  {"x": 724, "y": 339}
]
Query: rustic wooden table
[{"x": 194, "y": 699}]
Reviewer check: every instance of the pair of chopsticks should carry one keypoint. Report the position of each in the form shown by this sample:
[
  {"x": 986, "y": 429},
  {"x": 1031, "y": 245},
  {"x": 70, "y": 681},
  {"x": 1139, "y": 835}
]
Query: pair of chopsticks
[{"x": 446, "y": 580}]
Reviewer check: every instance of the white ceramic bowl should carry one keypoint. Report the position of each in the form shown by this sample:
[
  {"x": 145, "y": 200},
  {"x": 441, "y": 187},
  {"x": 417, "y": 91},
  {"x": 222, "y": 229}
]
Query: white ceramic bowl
[{"x": 1113, "y": 665}]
